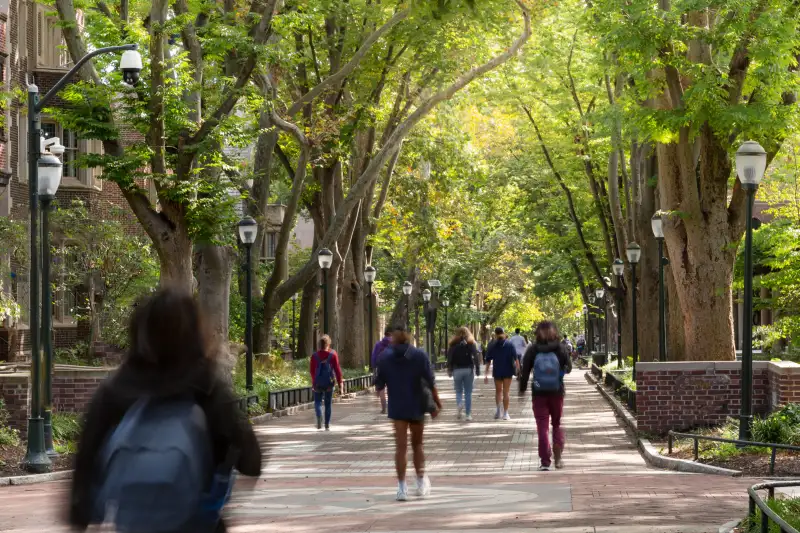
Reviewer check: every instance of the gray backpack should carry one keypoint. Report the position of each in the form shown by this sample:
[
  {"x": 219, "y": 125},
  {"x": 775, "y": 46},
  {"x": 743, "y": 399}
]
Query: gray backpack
[{"x": 155, "y": 467}]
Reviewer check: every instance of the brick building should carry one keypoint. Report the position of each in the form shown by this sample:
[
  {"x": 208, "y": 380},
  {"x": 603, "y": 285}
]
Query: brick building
[{"x": 32, "y": 51}]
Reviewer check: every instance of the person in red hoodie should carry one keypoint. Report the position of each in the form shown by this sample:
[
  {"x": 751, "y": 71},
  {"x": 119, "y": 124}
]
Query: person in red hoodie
[{"x": 325, "y": 374}]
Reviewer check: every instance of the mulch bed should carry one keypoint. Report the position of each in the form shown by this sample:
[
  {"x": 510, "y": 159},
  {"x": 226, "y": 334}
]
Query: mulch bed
[
  {"x": 11, "y": 458},
  {"x": 787, "y": 463}
]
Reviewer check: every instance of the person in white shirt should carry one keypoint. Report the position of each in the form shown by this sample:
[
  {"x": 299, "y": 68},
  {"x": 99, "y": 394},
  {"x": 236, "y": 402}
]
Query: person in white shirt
[{"x": 519, "y": 343}]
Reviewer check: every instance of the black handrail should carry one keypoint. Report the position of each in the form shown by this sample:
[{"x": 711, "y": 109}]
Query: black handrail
[
  {"x": 697, "y": 438},
  {"x": 281, "y": 399},
  {"x": 767, "y": 514}
]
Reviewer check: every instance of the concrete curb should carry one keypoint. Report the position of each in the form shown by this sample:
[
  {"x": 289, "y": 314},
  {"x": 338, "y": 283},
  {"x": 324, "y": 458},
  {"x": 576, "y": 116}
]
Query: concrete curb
[
  {"x": 649, "y": 452},
  {"x": 681, "y": 465},
  {"x": 289, "y": 411},
  {"x": 729, "y": 526},
  {"x": 36, "y": 478},
  {"x": 620, "y": 409}
]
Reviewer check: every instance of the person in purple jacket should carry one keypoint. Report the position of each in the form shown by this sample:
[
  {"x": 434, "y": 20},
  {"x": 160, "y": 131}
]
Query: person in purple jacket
[{"x": 380, "y": 346}]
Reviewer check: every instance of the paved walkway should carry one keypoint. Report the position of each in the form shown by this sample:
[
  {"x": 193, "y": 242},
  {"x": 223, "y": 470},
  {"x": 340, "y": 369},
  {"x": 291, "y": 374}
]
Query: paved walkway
[{"x": 484, "y": 478}]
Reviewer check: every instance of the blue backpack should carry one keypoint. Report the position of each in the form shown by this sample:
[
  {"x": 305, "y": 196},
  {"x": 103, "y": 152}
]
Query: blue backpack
[
  {"x": 158, "y": 471},
  {"x": 324, "y": 379},
  {"x": 546, "y": 372}
]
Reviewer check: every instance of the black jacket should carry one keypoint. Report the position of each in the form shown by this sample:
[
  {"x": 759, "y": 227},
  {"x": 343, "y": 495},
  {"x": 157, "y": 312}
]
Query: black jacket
[
  {"x": 530, "y": 356},
  {"x": 464, "y": 355},
  {"x": 227, "y": 424}
]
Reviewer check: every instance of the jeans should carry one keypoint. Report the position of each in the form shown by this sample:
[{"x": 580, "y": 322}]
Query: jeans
[
  {"x": 463, "y": 379},
  {"x": 547, "y": 409},
  {"x": 318, "y": 396}
]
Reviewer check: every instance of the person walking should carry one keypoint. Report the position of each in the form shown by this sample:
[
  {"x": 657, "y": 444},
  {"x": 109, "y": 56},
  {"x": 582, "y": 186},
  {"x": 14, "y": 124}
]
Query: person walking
[
  {"x": 163, "y": 433},
  {"x": 463, "y": 364},
  {"x": 380, "y": 346},
  {"x": 502, "y": 357},
  {"x": 549, "y": 361},
  {"x": 519, "y": 343},
  {"x": 407, "y": 372},
  {"x": 325, "y": 374}
]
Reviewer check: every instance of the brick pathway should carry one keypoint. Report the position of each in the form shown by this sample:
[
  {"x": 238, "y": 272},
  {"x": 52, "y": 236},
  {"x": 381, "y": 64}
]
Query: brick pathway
[{"x": 484, "y": 478}]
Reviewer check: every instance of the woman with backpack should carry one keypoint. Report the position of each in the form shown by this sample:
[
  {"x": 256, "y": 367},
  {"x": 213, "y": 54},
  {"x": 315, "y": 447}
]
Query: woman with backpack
[
  {"x": 549, "y": 360},
  {"x": 505, "y": 365},
  {"x": 407, "y": 372},
  {"x": 463, "y": 364},
  {"x": 142, "y": 450},
  {"x": 325, "y": 374}
]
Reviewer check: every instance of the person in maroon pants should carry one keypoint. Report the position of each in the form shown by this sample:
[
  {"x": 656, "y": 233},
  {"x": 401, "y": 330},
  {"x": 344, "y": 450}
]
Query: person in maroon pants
[{"x": 549, "y": 360}]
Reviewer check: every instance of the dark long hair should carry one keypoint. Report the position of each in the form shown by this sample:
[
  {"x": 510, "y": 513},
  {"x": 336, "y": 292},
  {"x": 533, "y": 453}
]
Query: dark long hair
[
  {"x": 166, "y": 331},
  {"x": 547, "y": 332}
]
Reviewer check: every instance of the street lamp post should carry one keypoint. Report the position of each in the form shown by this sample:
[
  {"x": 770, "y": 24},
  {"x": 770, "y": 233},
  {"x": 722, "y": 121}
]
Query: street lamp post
[
  {"x": 248, "y": 230},
  {"x": 50, "y": 171},
  {"x": 634, "y": 253},
  {"x": 600, "y": 293},
  {"x": 618, "y": 268},
  {"x": 407, "y": 288},
  {"x": 294, "y": 328},
  {"x": 36, "y": 460},
  {"x": 586, "y": 327},
  {"x": 369, "y": 276},
  {"x": 592, "y": 345},
  {"x": 658, "y": 232},
  {"x": 445, "y": 304},
  {"x": 751, "y": 163},
  {"x": 426, "y": 297},
  {"x": 325, "y": 258}
]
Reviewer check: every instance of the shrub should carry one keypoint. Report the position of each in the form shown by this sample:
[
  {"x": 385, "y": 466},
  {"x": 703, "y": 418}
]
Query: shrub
[
  {"x": 8, "y": 436},
  {"x": 67, "y": 427},
  {"x": 781, "y": 427},
  {"x": 788, "y": 509},
  {"x": 78, "y": 354}
]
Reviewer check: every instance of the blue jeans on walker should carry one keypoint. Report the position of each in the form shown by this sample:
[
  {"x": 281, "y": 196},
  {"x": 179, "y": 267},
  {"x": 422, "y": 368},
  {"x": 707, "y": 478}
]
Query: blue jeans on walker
[
  {"x": 463, "y": 379},
  {"x": 318, "y": 396}
]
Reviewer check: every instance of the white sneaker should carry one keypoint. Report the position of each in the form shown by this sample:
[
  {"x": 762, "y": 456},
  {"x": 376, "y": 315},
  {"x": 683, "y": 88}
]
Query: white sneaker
[
  {"x": 506, "y": 416},
  {"x": 423, "y": 487},
  {"x": 402, "y": 493},
  {"x": 469, "y": 418},
  {"x": 460, "y": 412},
  {"x": 544, "y": 468}
]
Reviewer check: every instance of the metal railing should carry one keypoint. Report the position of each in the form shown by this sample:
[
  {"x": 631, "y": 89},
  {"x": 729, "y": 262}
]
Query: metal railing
[
  {"x": 696, "y": 438},
  {"x": 281, "y": 399},
  {"x": 768, "y": 516},
  {"x": 245, "y": 401}
]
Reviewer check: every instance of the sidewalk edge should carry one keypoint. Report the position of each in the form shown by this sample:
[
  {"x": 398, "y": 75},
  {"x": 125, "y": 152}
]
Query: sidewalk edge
[
  {"x": 681, "y": 465},
  {"x": 32, "y": 479},
  {"x": 620, "y": 409},
  {"x": 295, "y": 409}
]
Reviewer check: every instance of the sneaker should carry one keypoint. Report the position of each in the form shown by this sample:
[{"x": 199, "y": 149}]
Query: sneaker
[
  {"x": 319, "y": 422},
  {"x": 469, "y": 418},
  {"x": 497, "y": 415},
  {"x": 557, "y": 455},
  {"x": 559, "y": 463},
  {"x": 423, "y": 487},
  {"x": 402, "y": 493},
  {"x": 327, "y": 427},
  {"x": 383, "y": 411},
  {"x": 544, "y": 468},
  {"x": 460, "y": 412},
  {"x": 506, "y": 416}
]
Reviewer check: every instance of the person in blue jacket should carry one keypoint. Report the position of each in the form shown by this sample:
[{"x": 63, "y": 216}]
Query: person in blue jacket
[
  {"x": 502, "y": 356},
  {"x": 406, "y": 371}
]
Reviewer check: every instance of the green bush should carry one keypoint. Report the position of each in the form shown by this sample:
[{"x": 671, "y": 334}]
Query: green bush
[
  {"x": 788, "y": 509},
  {"x": 8, "y": 436},
  {"x": 780, "y": 427},
  {"x": 78, "y": 355},
  {"x": 67, "y": 427}
]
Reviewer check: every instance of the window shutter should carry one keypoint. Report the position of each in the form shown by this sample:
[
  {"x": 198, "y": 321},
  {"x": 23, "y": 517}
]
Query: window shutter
[
  {"x": 84, "y": 174},
  {"x": 96, "y": 147}
]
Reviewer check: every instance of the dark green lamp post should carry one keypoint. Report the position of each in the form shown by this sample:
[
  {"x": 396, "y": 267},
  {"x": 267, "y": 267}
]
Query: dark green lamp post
[
  {"x": 248, "y": 230},
  {"x": 618, "y": 268},
  {"x": 325, "y": 258},
  {"x": 751, "y": 163},
  {"x": 658, "y": 232},
  {"x": 407, "y": 289},
  {"x": 369, "y": 276},
  {"x": 634, "y": 253}
]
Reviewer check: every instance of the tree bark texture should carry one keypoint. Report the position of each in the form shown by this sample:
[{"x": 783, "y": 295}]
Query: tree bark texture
[{"x": 214, "y": 276}]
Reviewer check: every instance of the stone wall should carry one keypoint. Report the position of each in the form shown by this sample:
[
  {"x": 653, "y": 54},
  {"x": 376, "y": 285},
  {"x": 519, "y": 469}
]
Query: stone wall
[
  {"x": 685, "y": 395},
  {"x": 73, "y": 388}
]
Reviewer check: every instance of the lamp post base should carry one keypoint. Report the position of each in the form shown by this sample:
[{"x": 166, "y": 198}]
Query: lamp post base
[
  {"x": 36, "y": 460},
  {"x": 48, "y": 434},
  {"x": 745, "y": 421}
]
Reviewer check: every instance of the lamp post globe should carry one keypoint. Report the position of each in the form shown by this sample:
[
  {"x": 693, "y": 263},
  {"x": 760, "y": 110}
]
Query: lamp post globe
[
  {"x": 50, "y": 170},
  {"x": 426, "y": 295},
  {"x": 370, "y": 273},
  {"x": 248, "y": 230},
  {"x": 407, "y": 288},
  {"x": 618, "y": 267},
  {"x": 325, "y": 258},
  {"x": 751, "y": 163}
]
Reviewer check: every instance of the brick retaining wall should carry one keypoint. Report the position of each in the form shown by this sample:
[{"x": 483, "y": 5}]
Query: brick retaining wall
[
  {"x": 72, "y": 391},
  {"x": 685, "y": 395}
]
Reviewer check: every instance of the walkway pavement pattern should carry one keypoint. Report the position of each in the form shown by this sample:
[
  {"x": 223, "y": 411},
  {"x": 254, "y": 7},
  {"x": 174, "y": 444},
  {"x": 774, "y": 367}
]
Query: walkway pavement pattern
[{"x": 484, "y": 478}]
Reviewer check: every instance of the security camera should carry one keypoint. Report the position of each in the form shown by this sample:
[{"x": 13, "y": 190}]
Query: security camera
[{"x": 131, "y": 66}]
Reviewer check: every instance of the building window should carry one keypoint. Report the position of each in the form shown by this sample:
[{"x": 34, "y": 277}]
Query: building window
[
  {"x": 50, "y": 46},
  {"x": 73, "y": 148},
  {"x": 270, "y": 245},
  {"x": 70, "y": 141}
]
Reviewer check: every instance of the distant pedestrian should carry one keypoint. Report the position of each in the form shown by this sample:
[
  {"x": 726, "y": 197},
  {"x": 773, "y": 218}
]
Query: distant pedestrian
[
  {"x": 379, "y": 348},
  {"x": 407, "y": 372},
  {"x": 519, "y": 343},
  {"x": 463, "y": 364},
  {"x": 164, "y": 432},
  {"x": 502, "y": 356},
  {"x": 549, "y": 361},
  {"x": 567, "y": 344},
  {"x": 325, "y": 374}
]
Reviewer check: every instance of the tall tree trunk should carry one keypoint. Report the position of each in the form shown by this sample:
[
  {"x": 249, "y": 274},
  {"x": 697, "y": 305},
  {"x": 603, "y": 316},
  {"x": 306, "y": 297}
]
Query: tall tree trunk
[
  {"x": 352, "y": 327},
  {"x": 214, "y": 276},
  {"x": 308, "y": 308},
  {"x": 174, "y": 251},
  {"x": 675, "y": 330}
]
